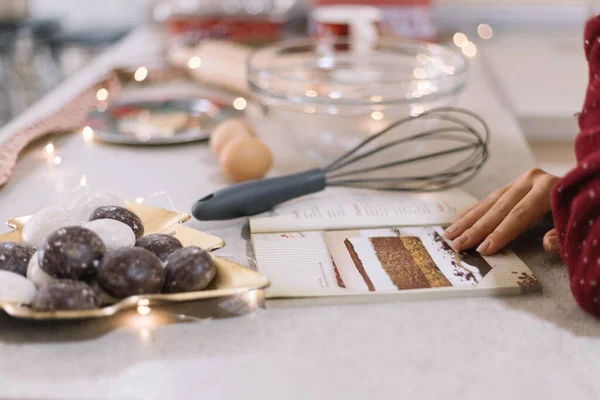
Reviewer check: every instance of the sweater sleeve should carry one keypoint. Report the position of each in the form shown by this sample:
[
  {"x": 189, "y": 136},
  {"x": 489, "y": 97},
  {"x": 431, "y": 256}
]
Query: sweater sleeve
[{"x": 576, "y": 197}]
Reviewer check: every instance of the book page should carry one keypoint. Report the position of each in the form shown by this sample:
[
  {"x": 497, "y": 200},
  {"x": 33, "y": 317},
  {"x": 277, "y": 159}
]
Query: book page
[
  {"x": 382, "y": 261},
  {"x": 339, "y": 208}
]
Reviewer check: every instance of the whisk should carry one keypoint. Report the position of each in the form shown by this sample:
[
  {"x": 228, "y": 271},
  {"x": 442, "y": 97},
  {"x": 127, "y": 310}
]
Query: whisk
[{"x": 452, "y": 144}]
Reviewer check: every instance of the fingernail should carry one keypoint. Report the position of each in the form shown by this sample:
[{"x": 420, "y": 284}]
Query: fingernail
[
  {"x": 452, "y": 228},
  {"x": 484, "y": 246},
  {"x": 553, "y": 242},
  {"x": 459, "y": 240}
]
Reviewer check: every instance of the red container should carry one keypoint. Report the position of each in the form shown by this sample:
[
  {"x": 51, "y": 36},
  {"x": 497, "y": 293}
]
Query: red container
[
  {"x": 251, "y": 30},
  {"x": 404, "y": 18}
]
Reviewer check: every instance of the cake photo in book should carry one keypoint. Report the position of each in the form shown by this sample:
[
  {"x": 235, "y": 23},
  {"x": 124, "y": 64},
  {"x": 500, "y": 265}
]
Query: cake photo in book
[{"x": 402, "y": 258}]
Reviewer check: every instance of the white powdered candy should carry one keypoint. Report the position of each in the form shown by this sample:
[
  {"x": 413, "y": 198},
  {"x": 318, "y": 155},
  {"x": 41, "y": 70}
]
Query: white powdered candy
[
  {"x": 37, "y": 275},
  {"x": 84, "y": 204},
  {"x": 46, "y": 221},
  {"x": 15, "y": 288},
  {"x": 114, "y": 234}
]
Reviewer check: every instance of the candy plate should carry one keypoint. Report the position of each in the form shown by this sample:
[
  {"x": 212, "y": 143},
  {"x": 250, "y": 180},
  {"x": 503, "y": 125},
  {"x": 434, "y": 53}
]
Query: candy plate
[{"x": 232, "y": 278}]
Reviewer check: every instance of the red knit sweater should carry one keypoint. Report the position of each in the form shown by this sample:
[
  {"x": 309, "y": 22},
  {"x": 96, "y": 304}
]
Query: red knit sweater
[{"x": 576, "y": 197}]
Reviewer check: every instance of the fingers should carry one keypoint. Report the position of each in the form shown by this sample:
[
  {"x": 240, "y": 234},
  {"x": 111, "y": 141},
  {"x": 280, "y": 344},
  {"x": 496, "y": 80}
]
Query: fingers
[
  {"x": 551, "y": 244},
  {"x": 494, "y": 217},
  {"x": 473, "y": 214},
  {"x": 533, "y": 206}
]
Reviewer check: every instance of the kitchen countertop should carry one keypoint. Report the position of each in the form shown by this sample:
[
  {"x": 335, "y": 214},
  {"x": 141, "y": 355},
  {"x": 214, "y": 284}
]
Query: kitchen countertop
[{"x": 539, "y": 346}]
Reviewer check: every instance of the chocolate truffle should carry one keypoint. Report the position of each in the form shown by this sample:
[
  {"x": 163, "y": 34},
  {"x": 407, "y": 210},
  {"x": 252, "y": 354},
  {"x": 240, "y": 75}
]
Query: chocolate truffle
[
  {"x": 105, "y": 298},
  {"x": 73, "y": 252},
  {"x": 159, "y": 244},
  {"x": 15, "y": 288},
  {"x": 44, "y": 222},
  {"x": 131, "y": 271},
  {"x": 14, "y": 257},
  {"x": 85, "y": 203},
  {"x": 37, "y": 275},
  {"x": 188, "y": 270},
  {"x": 120, "y": 214},
  {"x": 113, "y": 233},
  {"x": 66, "y": 295}
]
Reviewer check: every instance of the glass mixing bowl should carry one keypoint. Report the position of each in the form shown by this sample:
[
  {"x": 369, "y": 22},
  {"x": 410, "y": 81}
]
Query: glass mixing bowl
[{"x": 326, "y": 96}]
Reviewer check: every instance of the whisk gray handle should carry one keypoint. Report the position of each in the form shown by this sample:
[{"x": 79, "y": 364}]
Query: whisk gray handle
[{"x": 254, "y": 197}]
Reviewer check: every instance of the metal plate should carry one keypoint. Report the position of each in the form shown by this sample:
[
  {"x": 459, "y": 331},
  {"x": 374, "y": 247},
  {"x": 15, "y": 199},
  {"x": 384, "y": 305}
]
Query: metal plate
[
  {"x": 232, "y": 278},
  {"x": 159, "y": 122}
]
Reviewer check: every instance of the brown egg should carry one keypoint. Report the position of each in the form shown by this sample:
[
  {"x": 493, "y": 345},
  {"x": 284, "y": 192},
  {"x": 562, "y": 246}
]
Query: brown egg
[
  {"x": 245, "y": 159},
  {"x": 227, "y": 131}
]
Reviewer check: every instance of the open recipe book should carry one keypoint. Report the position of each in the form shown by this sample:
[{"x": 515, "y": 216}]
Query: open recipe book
[{"x": 363, "y": 245}]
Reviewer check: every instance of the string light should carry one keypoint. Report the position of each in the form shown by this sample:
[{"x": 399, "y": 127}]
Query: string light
[
  {"x": 377, "y": 115},
  {"x": 194, "y": 62},
  {"x": 83, "y": 180},
  {"x": 419, "y": 73},
  {"x": 310, "y": 110},
  {"x": 311, "y": 93},
  {"x": 49, "y": 148},
  {"x": 88, "y": 133},
  {"x": 57, "y": 160},
  {"x": 140, "y": 74},
  {"x": 143, "y": 310},
  {"x": 469, "y": 50},
  {"x": 417, "y": 110},
  {"x": 422, "y": 58},
  {"x": 335, "y": 95},
  {"x": 102, "y": 94},
  {"x": 485, "y": 31},
  {"x": 240, "y": 103},
  {"x": 460, "y": 39},
  {"x": 376, "y": 98}
]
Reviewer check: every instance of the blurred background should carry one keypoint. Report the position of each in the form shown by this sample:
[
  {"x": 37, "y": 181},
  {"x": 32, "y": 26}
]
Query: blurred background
[{"x": 532, "y": 48}]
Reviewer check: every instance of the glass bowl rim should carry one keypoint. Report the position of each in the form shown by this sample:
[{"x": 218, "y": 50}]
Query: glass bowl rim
[{"x": 425, "y": 47}]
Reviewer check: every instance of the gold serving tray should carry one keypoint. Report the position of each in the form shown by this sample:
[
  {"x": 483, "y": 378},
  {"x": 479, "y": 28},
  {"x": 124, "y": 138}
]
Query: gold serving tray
[{"x": 232, "y": 278}]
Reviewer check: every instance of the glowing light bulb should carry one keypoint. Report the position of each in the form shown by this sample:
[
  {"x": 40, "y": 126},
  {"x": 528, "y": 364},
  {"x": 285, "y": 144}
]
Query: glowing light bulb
[
  {"x": 377, "y": 115},
  {"x": 311, "y": 93},
  {"x": 240, "y": 103},
  {"x": 470, "y": 50},
  {"x": 310, "y": 110},
  {"x": 419, "y": 73},
  {"x": 140, "y": 74},
  {"x": 422, "y": 58},
  {"x": 485, "y": 31},
  {"x": 417, "y": 110},
  {"x": 194, "y": 62},
  {"x": 102, "y": 94},
  {"x": 83, "y": 180},
  {"x": 57, "y": 160},
  {"x": 335, "y": 95},
  {"x": 87, "y": 133},
  {"x": 143, "y": 310},
  {"x": 49, "y": 148},
  {"x": 460, "y": 39},
  {"x": 376, "y": 98}
]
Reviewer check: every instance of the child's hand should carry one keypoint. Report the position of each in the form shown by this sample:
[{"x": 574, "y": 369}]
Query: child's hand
[{"x": 504, "y": 214}]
